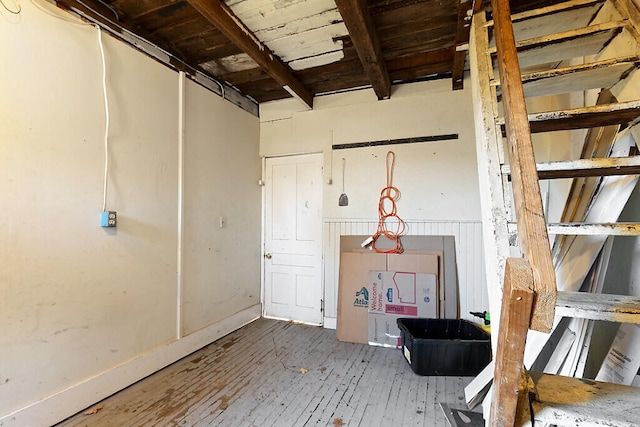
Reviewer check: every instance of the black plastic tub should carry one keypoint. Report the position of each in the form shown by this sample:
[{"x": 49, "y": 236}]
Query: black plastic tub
[{"x": 444, "y": 346}]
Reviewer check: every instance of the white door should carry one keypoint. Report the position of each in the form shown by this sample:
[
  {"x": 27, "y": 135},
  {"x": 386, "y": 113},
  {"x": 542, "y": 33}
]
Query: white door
[{"x": 293, "y": 238}]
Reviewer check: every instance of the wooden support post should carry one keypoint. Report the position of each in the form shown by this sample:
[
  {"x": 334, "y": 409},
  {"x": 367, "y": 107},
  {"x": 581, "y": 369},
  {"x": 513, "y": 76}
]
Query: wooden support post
[
  {"x": 517, "y": 303},
  {"x": 532, "y": 228}
]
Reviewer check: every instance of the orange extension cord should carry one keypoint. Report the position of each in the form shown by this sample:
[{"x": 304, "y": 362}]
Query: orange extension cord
[{"x": 389, "y": 195}]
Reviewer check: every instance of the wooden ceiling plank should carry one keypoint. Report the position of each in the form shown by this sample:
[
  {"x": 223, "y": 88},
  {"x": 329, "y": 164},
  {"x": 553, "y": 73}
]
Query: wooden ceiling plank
[
  {"x": 223, "y": 18},
  {"x": 360, "y": 25},
  {"x": 424, "y": 65}
]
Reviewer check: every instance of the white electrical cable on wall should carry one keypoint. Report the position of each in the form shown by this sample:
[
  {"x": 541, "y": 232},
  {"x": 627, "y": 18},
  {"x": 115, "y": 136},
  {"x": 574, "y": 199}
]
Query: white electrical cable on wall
[
  {"x": 104, "y": 91},
  {"x": 106, "y": 120}
]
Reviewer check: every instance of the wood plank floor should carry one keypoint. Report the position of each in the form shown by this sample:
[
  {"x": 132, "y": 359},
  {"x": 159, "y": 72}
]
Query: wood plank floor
[{"x": 275, "y": 373}]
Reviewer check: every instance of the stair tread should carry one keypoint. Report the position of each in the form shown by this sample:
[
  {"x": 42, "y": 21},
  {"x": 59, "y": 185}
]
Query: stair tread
[
  {"x": 596, "y": 75},
  {"x": 556, "y": 47},
  {"x": 583, "y": 228},
  {"x": 564, "y": 16},
  {"x": 571, "y": 401},
  {"x": 613, "y": 308},
  {"x": 606, "y": 166},
  {"x": 582, "y": 118},
  {"x": 599, "y": 74}
]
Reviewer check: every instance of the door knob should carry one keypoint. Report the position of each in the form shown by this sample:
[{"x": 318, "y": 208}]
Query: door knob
[{"x": 268, "y": 256}]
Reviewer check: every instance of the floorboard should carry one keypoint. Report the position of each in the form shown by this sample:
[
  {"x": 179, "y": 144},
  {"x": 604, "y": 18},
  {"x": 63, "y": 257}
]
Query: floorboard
[{"x": 275, "y": 373}]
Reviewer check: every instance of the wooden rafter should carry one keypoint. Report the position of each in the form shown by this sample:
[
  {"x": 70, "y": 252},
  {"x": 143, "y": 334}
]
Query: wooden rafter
[
  {"x": 355, "y": 14},
  {"x": 125, "y": 30},
  {"x": 219, "y": 14},
  {"x": 462, "y": 40}
]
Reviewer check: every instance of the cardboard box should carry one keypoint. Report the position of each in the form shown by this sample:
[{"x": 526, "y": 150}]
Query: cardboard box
[
  {"x": 395, "y": 295},
  {"x": 448, "y": 274},
  {"x": 353, "y": 293},
  {"x": 417, "y": 262}
]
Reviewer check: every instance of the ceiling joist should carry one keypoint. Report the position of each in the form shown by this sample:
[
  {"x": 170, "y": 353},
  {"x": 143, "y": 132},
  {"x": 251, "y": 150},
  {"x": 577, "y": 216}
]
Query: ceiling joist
[
  {"x": 123, "y": 29},
  {"x": 219, "y": 14},
  {"x": 357, "y": 19},
  {"x": 465, "y": 12}
]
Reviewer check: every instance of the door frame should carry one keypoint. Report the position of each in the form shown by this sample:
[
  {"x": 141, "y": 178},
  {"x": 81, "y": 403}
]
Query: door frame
[{"x": 263, "y": 184}]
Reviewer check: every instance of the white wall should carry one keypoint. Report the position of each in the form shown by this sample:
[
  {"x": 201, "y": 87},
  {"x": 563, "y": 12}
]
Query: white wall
[
  {"x": 221, "y": 259},
  {"x": 84, "y": 310},
  {"x": 438, "y": 180}
]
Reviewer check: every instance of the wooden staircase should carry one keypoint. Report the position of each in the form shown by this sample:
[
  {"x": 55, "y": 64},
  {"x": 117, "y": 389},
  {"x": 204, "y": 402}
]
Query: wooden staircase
[{"x": 570, "y": 47}]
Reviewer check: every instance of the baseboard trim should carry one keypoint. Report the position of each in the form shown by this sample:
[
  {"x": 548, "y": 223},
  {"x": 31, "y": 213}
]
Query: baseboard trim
[
  {"x": 65, "y": 403},
  {"x": 330, "y": 323}
]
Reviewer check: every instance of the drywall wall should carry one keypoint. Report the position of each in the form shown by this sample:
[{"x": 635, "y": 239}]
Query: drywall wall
[
  {"x": 80, "y": 304},
  {"x": 437, "y": 180}
]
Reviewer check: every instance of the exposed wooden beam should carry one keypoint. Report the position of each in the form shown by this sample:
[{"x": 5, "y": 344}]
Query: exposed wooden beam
[
  {"x": 155, "y": 47},
  {"x": 465, "y": 10},
  {"x": 357, "y": 18},
  {"x": 219, "y": 14},
  {"x": 459, "y": 59},
  {"x": 532, "y": 228}
]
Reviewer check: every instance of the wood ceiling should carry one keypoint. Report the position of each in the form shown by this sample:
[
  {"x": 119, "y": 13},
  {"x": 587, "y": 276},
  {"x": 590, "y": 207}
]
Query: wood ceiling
[{"x": 273, "y": 49}]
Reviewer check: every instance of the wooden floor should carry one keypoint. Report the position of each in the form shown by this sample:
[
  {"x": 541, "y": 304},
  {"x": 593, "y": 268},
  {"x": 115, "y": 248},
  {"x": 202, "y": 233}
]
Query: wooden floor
[{"x": 274, "y": 373}]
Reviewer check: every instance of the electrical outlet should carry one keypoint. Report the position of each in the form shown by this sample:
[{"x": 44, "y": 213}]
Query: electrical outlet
[{"x": 108, "y": 219}]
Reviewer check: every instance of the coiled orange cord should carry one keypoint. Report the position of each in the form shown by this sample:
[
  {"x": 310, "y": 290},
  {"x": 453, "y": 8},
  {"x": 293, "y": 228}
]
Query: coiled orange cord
[{"x": 389, "y": 195}]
